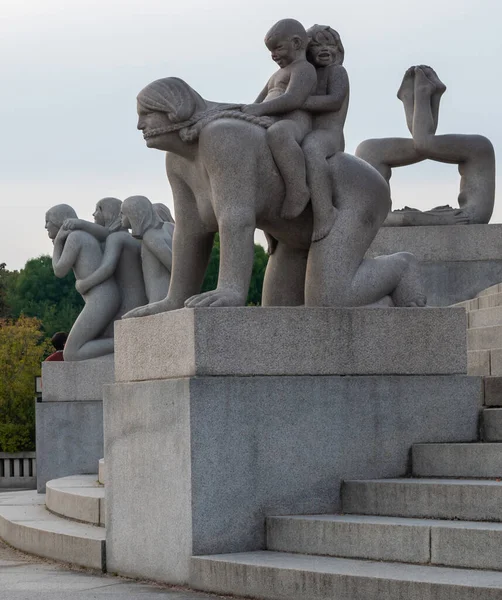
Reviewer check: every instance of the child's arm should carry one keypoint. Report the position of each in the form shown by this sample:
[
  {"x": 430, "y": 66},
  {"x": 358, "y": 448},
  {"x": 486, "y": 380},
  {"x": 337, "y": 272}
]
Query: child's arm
[
  {"x": 302, "y": 80},
  {"x": 262, "y": 95},
  {"x": 338, "y": 89}
]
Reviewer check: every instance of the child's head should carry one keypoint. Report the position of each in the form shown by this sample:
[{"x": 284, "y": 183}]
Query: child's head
[
  {"x": 287, "y": 41},
  {"x": 325, "y": 46}
]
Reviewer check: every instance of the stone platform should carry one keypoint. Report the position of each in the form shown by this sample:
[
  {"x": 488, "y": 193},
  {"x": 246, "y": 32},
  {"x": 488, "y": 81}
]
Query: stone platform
[
  {"x": 69, "y": 419},
  {"x": 457, "y": 261},
  {"x": 208, "y": 438}
]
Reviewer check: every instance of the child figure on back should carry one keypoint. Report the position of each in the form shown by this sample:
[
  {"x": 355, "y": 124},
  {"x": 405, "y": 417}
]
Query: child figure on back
[
  {"x": 284, "y": 96},
  {"x": 329, "y": 108}
]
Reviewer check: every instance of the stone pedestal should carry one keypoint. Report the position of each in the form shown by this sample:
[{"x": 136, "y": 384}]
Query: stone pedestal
[
  {"x": 205, "y": 436},
  {"x": 69, "y": 418},
  {"x": 457, "y": 261}
]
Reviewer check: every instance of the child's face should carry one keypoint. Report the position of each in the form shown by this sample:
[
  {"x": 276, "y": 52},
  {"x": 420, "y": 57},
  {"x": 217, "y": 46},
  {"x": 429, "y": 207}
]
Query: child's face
[
  {"x": 284, "y": 51},
  {"x": 322, "y": 54}
]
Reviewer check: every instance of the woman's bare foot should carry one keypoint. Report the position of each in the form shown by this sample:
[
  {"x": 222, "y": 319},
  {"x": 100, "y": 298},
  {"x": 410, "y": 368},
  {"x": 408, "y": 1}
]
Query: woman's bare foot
[
  {"x": 433, "y": 77},
  {"x": 406, "y": 93},
  {"x": 423, "y": 85}
]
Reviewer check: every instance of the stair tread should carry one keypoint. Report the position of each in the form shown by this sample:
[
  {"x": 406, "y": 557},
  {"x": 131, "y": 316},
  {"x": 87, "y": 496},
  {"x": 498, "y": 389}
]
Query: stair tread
[
  {"x": 429, "y": 481},
  {"x": 360, "y": 568},
  {"x": 78, "y": 485}
]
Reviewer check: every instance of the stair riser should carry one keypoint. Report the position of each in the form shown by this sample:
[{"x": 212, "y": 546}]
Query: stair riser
[
  {"x": 487, "y": 317},
  {"x": 484, "y": 338},
  {"x": 457, "y": 460},
  {"x": 492, "y": 425},
  {"x": 72, "y": 506},
  {"x": 493, "y": 391},
  {"x": 65, "y": 548},
  {"x": 295, "y": 584},
  {"x": 488, "y": 301},
  {"x": 416, "y": 544},
  {"x": 429, "y": 501}
]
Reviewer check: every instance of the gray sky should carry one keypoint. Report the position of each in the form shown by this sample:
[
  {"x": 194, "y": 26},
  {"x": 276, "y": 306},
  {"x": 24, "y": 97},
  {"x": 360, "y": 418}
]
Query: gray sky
[{"x": 71, "y": 70}]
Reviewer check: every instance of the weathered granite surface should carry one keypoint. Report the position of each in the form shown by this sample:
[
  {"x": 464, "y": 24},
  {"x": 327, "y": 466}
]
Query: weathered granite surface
[{"x": 291, "y": 341}]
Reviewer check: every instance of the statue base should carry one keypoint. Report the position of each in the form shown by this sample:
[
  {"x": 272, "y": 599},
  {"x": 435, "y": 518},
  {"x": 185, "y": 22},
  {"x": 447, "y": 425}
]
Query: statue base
[
  {"x": 69, "y": 418},
  {"x": 457, "y": 261},
  {"x": 197, "y": 459}
]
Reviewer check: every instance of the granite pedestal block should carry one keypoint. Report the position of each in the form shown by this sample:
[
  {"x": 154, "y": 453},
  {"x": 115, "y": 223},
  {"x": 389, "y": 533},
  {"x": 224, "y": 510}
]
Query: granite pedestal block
[
  {"x": 211, "y": 438},
  {"x": 69, "y": 418},
  {"x": 457, "y": 262}
]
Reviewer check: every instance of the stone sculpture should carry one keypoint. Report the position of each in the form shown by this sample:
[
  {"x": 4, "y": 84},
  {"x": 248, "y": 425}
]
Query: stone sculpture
[
  {"x": 121, "y": 257},
  {"x": 154, "y": 226},
  {"x": 227, "y": 181},
  {"x": 81, "y": 251},
  {"x": 421, "y": 92}
]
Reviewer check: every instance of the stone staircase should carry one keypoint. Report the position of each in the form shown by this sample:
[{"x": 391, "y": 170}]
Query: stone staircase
[
  {"x": 65, "y": 524},
  {"x": 436, "y": 535}
]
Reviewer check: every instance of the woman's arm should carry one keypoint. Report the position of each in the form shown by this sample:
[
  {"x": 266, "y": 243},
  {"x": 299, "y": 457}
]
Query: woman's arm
[
  {"x": 113, "y": 250},
  {"x": 98, "y": 231},
  {"x": 338, "y": 89},
  {"x": 65, "y": 253},
  {"x": 156, "y": 242}
]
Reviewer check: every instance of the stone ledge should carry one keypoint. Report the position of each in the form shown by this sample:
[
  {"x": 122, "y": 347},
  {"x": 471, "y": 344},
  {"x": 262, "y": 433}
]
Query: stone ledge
[
  {"x": 291, "y": 341},
  {"x": 71, "y": 381}
]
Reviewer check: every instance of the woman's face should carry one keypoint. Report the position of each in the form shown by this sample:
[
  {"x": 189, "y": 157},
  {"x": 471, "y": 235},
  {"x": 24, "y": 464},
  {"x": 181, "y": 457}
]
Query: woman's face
[
  {"x": 51, "y": 227},
  {"x": 98, "y": 215}
]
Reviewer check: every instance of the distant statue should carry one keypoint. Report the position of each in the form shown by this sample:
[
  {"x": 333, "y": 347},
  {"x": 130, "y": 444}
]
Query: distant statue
[
  {"x": 420, "y": 93},
  {"x": 81, "y": 251},
  {"x": 226, "y": 180},
  {"x": 156, "y": 236},
  {"x": 121, "y": 257}
]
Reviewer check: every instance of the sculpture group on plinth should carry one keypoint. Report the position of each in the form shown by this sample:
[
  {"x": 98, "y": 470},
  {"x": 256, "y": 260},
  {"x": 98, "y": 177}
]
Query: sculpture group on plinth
[{"x": 115, "y": 271}]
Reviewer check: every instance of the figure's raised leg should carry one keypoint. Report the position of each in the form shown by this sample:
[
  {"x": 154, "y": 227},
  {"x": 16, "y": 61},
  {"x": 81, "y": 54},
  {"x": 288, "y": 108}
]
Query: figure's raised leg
[
  {"x": 101, "y": 305},
  {"x": 318, "y": 147},
  {"x": 384, "y": 154},
  {"x": 284, "y": 138},
  {"x": 284, "y": 283},
  {"x": 473, "y": 153},
  {"x": 437, "y": 95},
  {"x": 337, "y": 272},
  {"x": 406, "y": 93}
]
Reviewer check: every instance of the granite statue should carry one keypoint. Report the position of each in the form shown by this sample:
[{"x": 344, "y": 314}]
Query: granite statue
[
  {"x": 121, "y": 256},
  {"x": 81, "y": 251},
  {"x": 153, "y": 225},
  {"x": 420, "y": 93},
  {"x": 224, "y": 179}
]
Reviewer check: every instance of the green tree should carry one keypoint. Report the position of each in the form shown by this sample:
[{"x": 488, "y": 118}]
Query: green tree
[
  {"x": 259, "y": 266},
  {"x": 22, "y": 349},
  {"x": 37, "y": 292},
  {"x": 7, "y": 282}
]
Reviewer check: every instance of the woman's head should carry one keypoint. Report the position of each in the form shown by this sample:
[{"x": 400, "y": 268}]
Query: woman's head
[
  {"x": 163, "y": 212},
  {"x": 138, "y": 212},
  {"x": 56, "y": 216},
  {"x": 107, "y": 213}
]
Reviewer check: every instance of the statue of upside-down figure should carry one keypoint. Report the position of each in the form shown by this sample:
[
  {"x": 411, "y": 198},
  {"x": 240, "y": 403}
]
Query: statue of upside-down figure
[
  {"x": 420, "y": 93},
  {"x": 224, "y": 179}
]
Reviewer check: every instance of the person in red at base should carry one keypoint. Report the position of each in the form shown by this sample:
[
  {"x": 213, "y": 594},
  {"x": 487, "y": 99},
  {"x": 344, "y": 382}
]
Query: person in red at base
[{"x": 58, "y": 341}]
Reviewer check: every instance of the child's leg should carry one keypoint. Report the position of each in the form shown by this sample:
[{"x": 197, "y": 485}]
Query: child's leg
[
  {"x": 317, "y": 147},
  {"x": 284, "y": 138}
]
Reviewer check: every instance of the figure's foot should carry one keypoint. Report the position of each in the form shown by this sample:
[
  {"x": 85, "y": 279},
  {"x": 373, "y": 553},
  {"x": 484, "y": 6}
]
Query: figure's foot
[
  {"x": 150, "y": 309},
  {"x": 407, "y": 87},
  {"x": 295, "y": 202},
  {"x": 323, "y": 224},
  {"x": 444, "y": 215},
  {"x": 217, "y": 297},
  {"x": 432, "y": 76},
  {"x": 409, "y": 291},
  {"x": 423, "y": 85}
]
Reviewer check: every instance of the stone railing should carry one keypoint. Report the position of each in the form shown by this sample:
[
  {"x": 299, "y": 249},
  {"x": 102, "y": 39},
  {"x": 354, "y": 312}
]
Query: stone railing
[{"x": 18, "y": 470}]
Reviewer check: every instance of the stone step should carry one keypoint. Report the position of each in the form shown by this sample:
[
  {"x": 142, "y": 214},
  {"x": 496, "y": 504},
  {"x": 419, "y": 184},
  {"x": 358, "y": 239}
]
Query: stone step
[
  {"x": 26, "y": 524},
  {"x": 492, "y": 425},
  {"x": 485, "y": 317},
  {"x": 492, "y": 391},
  {"x": 101, "y": 471},
  {"x": 478, "y": 362},
  {"x": 79, "y": 497},
  {"x": 465, "y": 499},
  {"x": 487, "y": 301},
  {"x": 484, "y": 338},
  {"x": 396, "y": 539},
  {"x": 281, "y": 576},
  {"x": 457, "y": 460}
]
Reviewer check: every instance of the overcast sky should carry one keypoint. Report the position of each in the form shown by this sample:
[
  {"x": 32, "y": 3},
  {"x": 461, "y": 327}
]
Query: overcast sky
[{"x": 70, "y": 71}]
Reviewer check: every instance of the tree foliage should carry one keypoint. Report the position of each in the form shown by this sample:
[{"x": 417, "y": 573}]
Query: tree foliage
[
  {"x": 259, "y": 266},
  {"x": 37, "y": 292},
  {"x": 22, "y": 349}
]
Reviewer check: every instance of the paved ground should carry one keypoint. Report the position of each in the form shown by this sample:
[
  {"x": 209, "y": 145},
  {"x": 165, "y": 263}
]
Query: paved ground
[{"x": 24, "y": 577}]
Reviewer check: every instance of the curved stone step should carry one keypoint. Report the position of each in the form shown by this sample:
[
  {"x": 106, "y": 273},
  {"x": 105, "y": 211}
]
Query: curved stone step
[
  {"x": 78, "y": 497},
  {"x": 492, "y": 424},
  {"x": 485, "y": 317},
  {"x": 457, "y": 460},
  {"x": 419, "y": 541},
  {"x": 464, "y": 499},
  {"x": 27, "y": 525},
  {"x": 281, "y": 576}
]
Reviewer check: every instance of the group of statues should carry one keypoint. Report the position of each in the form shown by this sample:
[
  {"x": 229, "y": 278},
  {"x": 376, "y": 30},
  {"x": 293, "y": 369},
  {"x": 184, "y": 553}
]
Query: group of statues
[{"x": 278, "y": 165}]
